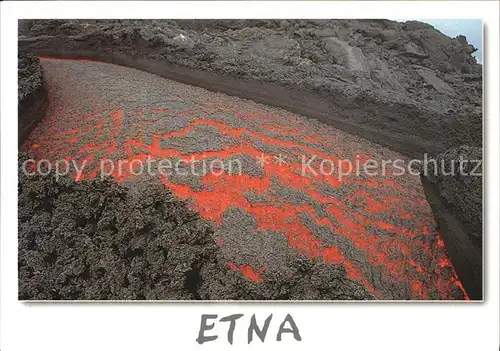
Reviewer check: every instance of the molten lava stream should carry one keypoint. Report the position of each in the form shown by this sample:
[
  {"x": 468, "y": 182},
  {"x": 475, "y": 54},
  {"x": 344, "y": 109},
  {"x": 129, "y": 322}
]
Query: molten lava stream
[{"x": 379, "y": 227}]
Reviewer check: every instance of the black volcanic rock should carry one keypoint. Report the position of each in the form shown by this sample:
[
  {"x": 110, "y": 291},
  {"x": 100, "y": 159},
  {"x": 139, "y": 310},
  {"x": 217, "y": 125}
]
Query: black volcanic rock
[
  {"x": 455, "y": 195},
  {"x": 404, "y": 85},
  {"x": 32, "y": 93}
]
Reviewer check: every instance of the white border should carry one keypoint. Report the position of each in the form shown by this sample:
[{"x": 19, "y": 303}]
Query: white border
[{"x": 160, "y": 326}]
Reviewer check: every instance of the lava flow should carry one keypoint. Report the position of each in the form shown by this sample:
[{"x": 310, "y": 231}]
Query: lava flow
[{"x": 292, "y": 183}]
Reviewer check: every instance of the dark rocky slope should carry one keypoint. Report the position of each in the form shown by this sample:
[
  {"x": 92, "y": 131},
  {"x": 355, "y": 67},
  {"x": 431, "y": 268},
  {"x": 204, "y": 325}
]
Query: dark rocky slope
[
  {"x": 404, "y": 85},
  {"x": 32, "y": 94},
  {"x": 456, "y": 199}
]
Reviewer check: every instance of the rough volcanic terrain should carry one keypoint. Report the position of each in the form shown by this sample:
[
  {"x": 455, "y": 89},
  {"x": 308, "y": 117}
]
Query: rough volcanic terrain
[
  {"x": 97, "y": 240},
  {"x": 32, "y": 94},
  {"x": 406, "y": 85},
  {"x": 456, "y": 200},
  {"x": 277, "y": 229}
]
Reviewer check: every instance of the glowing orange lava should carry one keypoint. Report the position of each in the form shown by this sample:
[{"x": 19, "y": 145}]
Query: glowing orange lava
[{"x": 384, "y": 222}]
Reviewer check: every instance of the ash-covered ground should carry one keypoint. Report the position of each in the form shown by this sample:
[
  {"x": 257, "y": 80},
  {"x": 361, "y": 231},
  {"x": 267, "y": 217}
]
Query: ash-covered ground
[{"x": 278, "y": 234}]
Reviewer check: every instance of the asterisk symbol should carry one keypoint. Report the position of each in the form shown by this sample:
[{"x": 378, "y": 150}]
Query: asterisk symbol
[
  {"x": 280, "y": 160},
  {"x": 262, "y": 160}
]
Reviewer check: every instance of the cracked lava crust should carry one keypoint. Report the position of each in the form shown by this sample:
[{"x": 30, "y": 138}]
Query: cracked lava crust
[{"x": 379, "y": 228}]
